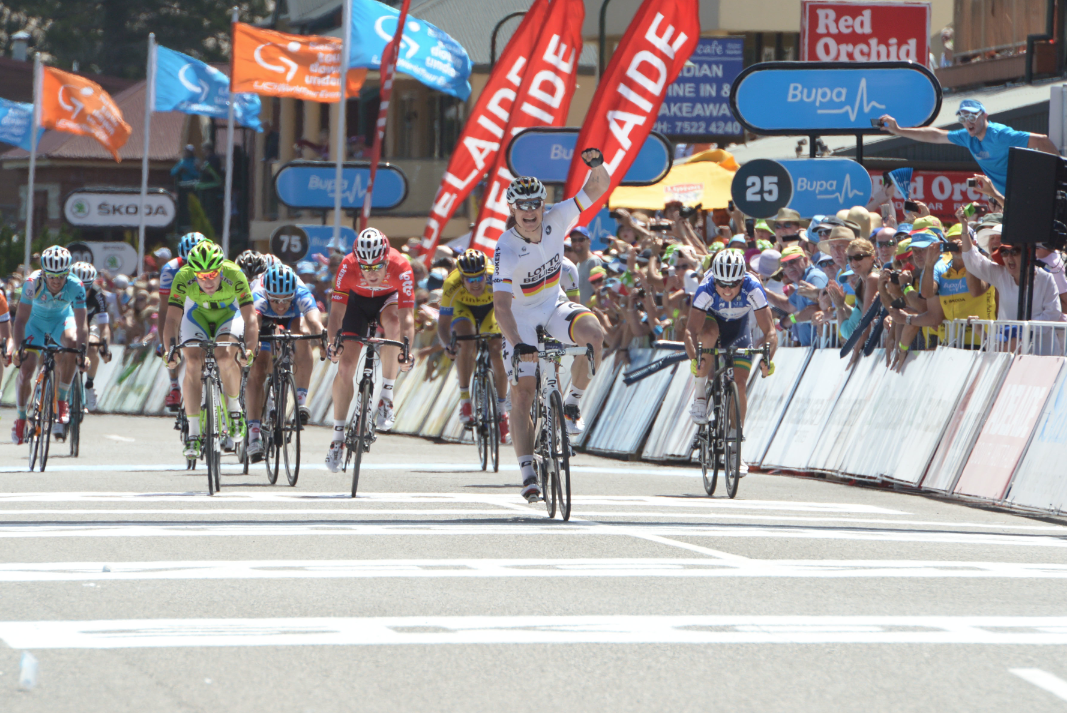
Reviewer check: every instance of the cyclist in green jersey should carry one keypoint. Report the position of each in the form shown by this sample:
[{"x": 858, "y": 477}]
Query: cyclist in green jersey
[{"x": 210, "y": 299}]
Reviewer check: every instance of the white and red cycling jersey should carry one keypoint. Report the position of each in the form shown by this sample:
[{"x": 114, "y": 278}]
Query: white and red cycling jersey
[{"x": 398, "y": 278}]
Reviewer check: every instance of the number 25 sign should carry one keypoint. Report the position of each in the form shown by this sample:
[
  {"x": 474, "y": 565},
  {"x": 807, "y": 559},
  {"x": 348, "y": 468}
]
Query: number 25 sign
[{"x": 761, "y": 187}]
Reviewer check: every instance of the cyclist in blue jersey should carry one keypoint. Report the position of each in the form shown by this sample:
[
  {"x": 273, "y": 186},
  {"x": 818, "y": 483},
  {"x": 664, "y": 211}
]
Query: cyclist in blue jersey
[
  {"x": 720, "y": 316},
  {"x": 280, "y": 298},
  {"x": 166, "y": 279},
  {"x": 52, "y": 304}
]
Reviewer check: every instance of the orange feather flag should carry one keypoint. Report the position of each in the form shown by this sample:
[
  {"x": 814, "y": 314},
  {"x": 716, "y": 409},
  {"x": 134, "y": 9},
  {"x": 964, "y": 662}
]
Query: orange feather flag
[{"x": 77, "y": 105}]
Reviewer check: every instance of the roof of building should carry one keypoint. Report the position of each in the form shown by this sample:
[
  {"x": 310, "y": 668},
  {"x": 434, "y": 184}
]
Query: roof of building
[
  {"x": 164, "y": 143},
  {"x": 1004, "y": 103}
]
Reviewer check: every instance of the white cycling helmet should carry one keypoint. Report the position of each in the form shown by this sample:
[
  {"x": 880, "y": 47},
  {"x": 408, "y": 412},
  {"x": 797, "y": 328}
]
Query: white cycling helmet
[
  {"x": 370, "y": 247},
  {"x": 85, "y": 272},
  {"x": 526, "y": 188},
  {"x": 270, "y": 261},
  {"x": 56, "y": 259},
  {"x": 728, "y": 266}
]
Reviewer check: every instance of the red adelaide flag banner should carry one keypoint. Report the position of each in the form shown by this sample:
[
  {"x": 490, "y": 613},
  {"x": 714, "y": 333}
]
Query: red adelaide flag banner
[
  {"x": 656, "y": 45},
  {"x": 477, "y": 148},
  {"x": 78, "y": 106},
  {"x": 298, "y": 66},
  {"x": 543, "y": 100}
]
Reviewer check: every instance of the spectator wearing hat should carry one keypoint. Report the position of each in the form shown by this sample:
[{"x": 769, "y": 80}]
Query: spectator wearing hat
[
  {"x": 798, "y": 308},
  {"x": 768, "y": 266},
  {"x": 763, "y": 231},
  {"x": 1052, "y": 263},
  {"x": 787, "y": 225},
  {"x": 585, "y": 261},
  {"x": 987, "y": 140}
]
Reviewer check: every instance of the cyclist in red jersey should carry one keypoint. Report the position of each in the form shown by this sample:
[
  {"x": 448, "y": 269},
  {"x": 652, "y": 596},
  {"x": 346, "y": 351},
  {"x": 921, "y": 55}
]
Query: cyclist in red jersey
[{"x": 374, "y": 284}]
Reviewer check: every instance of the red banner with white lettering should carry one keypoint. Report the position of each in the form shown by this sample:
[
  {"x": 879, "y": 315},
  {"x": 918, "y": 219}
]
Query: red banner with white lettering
[
  {"x": 543, "y": 100},
  {"x": 864, "y": 31},
  {"x": 477, "y": 148},
  {"x": 653, "y": 51},
  {"x": 943, "y": 192}
]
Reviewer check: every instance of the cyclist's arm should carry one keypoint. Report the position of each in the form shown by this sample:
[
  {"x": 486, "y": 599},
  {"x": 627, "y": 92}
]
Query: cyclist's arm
[
  {"x": 766, "y": 323},
  {"x": 22, "y": 316},
  {"x": 407, "y": 324},
  {"x": 505, "y": 318},
  {"x": 251, "y": 318},
  {"x": 170, "y": 326},
  {"x": 598, "y": 183},
  {"x": 694, "y": 327},
  {"x": 81, "y": 323},
  {"x": 313, "y": 320},
  {"x": 337, "y": 315}
]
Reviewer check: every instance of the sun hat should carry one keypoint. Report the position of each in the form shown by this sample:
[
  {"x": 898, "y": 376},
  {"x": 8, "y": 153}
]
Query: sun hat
[
  {"x": 793, "y": 253},
  {"x": 766, "y": 263},
  {"x": 840, "y": 233}
]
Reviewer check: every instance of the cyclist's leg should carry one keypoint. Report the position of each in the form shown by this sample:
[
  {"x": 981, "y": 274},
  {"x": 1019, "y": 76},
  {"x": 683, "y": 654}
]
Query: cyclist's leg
[
  {"x": 708, "y": 337},
  {"x": 66, "y": 334},
  {"x": 389, "y": 318},
  {"x": 194, "y": 326},
  {"x": 361, "y": 311},
  {"x": 463, "y": 325},
  {"x": 93, "y": 354},
  {"x": 522, "y": 395},
  {"x": 257, "y": 376},
  {"x": 571, "y": 323},
  {"x": 496, "y": 354},
  {"x": 34, "y": 334},
  {"x": 740, "y": 337},
  {"x": 303, "y": 361},
  {"x": 230, "y": 327}
]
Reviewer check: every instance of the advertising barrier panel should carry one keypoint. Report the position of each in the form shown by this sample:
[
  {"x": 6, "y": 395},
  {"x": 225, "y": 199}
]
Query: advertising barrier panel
[
  {"x": 596, "y": 395},
  {"x": 1007, "y": 430},
  {"x": 672, "y": 432},
  {"x": 768, "y": 399},
  {"x": 1039, "y": 482},
  {"x": 849, "y": 417},
  {"x": 629, "y": 410}
]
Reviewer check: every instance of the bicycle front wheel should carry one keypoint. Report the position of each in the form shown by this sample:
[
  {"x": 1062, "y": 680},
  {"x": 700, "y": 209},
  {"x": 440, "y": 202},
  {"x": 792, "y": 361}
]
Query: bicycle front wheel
[
  {"x": 288, "y": 428},
  {"x": 269, "y": 431},
  {"x": 561, "y": 457},
  {"x": 48, "y": 418},
  {"x": 33, "y": 423},
  {"x": 709, "y": 468},
  {"x": 76, "y": 415},
  {"x": 212, "y": 446},
  {"x": 478, "y": 415},
  {"x": 363, "y": 427},
  {"x": 494, "y": 425},
  {"x": 732, "y": 441}
]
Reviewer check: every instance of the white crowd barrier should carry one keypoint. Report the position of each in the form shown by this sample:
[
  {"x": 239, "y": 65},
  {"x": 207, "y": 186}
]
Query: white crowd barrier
[{"x": 985, "y": 421}]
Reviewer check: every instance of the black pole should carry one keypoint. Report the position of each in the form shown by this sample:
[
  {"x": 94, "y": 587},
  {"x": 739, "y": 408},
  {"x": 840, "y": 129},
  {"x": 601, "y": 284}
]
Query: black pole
[
  {"x": 492, "y": 42},
  {"x": 1031, "y": 278},
  {"x": 602, "y": 61},
  {"x": 859, "y": 149},
  {"x": 1025, "y": 287},
  {"x": 812, "y": 151}
]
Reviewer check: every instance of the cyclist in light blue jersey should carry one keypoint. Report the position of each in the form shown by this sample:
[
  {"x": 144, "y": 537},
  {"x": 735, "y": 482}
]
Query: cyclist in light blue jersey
[
  {"x": 719, "y": 316},
  {"x": 52, "y": 304}
]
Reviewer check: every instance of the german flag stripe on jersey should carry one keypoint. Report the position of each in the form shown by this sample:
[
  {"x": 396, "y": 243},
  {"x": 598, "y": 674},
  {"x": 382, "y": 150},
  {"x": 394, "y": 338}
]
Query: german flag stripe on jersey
[{"x": 548, "y": 283}]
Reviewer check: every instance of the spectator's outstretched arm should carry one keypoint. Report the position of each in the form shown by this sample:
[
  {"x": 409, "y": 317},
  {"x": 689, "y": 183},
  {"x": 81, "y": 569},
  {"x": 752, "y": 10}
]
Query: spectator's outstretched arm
[
  {"x": 1042, "y": 143},
  {"x": 986, "y": 188},
  {"x": 925, "y": 134},
  {"x": 780, "y": 301},
  {"x": 928, "y": 288}
]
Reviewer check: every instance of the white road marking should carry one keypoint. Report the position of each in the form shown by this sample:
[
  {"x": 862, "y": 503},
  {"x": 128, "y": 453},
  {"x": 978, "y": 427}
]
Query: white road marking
[
  {"x": 1043, "y": 679},
  {"x": 306, "y": 497},
  {"x": 718, "y": 554},
  {"x": 535, "y": 526},
  {"x": 423, "y": 630},
  {"x": 121, "y": 439},
  {"x": 621, "y": 567}
]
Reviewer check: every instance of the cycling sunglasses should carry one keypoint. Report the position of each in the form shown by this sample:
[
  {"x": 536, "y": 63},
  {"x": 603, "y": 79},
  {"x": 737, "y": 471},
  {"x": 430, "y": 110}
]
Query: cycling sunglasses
[
  {"x": 54, "y": 275},
  {"x": 968, "y": 115},
  {"x": 886, "y": 243},
  {"x": 372, "y": 268},
  {"x": 279, "y": 298},
  {"x": 857, "y": 258},
  {"x": 529, "y": 205},
  {"x": 474, "y": 280},
  {"x": 209, "y": 275},
  {"x": 728, "y": 285}
]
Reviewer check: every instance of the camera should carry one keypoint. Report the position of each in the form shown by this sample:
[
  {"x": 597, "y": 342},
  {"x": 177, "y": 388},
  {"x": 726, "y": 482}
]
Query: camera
[
  {"x": 972, "y": 183},
  {"x": 876, "y": 123},
  {"x": 911, "y": 206},
  {"x": 661, "y": 226},
  {"x": 894, "y": 276},
  {"x": 641, "y": 292},
  {"x": 950, "y": 248}
]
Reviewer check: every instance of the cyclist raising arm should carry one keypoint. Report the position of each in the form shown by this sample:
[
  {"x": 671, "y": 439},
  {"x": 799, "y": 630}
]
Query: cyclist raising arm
[
  {"x": 719, "y": 316},
  {"x": 526, "y": 294},
  {"x": 374, "y": 285},
  {"x": 280, "y": 299},
  {"x": 52, "y": 304},
  {"x": 210, "y": 299}
]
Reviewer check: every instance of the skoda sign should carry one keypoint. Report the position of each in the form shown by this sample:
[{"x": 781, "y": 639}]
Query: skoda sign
[
  {"x": 546, "y": 154},
  {"x": 790, "y": 98},
  {"x": 310, "y": 185},
  {"x": 118, "y": 208},
  {"x": 812, "y": 186}
]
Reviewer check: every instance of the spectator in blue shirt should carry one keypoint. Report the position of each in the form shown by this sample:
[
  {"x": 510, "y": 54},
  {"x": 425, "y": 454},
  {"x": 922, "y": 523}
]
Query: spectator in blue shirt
[
  {"x": 987, "y": 140},
  {"x": 799, "y": 309}
]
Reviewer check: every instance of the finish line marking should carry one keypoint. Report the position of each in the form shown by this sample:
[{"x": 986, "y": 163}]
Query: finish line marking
[
  {"x": 1043, "y": 679},
  {"x": 461, "y": 630},
  {"x": 659, "y": 567}
]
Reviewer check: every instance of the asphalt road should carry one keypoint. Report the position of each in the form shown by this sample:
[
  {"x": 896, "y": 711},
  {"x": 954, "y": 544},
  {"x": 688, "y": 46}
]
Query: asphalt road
[{"x": 439, "y": 589}]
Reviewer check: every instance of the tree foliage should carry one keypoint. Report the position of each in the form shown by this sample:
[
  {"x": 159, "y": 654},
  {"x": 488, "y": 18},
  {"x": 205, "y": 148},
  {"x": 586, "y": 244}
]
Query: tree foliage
[{"x": 111, "y": 36}]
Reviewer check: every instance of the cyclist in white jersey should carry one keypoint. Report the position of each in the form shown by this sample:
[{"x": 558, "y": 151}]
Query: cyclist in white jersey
[{"x": 528, "y": 265}]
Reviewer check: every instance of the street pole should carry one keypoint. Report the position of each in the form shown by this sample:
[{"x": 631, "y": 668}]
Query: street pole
[
  {"x": 341, "y": 132},
  {"x": 149, "y": 102},
  {"x": 227, "y": 202}
]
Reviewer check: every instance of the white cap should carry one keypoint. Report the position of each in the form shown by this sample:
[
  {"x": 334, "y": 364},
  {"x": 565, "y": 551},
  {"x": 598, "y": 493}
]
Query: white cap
[
  {"x": 121, "y": 282},
  {"x": 986, "y": 234},
  {"x": 690, "y": 282}
]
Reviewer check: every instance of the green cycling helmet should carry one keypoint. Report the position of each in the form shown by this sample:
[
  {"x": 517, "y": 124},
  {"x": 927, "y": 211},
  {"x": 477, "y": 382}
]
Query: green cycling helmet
[{"x": 206, "y": 256}]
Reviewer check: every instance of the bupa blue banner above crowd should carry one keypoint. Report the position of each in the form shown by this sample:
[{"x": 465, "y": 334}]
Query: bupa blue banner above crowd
[
  {"x": 426, "y": 53},
  {"x": 190, "y": 86}
]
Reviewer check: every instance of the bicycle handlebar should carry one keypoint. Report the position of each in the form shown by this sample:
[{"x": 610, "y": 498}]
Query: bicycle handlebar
[
  {"x": 208, "y": 345},
  {"x": 482, "y": 337},
  {"x": 286, "y": 336},
  {"x": 551, "y": 351},
  {"x": 405, "y": 347},
  {"x": 51, "y": 346}
]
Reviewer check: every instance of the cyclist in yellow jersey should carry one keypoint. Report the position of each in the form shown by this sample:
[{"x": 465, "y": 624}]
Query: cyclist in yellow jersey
[
  {"x": 467, "y": 308},
  {"x": 210, "y": 299}
]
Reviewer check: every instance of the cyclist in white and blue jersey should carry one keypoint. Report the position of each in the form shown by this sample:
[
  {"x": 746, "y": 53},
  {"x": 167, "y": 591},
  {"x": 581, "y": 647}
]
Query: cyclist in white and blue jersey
[
  {"x": 280, "y": 298},
  {"x": 719, "y": 316},
  {"x": 52, "y": 304}
]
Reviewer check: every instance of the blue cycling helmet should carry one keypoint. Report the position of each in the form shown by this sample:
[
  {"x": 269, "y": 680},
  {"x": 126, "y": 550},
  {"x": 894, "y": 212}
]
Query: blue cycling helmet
[
  {"x": 280, "y": 280},
  {"x": 187, "y": 242}
]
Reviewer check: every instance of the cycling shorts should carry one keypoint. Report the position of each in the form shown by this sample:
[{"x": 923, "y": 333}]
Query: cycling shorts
[
  {"x": 202, "y": 323},
  {"x": 480, "y": 316},
  {"x": 735, "y": 333},
  {"x": 364, "y": 310},
  {"x": 558, "y": 320},
  {"x": 37, "y": 327}
]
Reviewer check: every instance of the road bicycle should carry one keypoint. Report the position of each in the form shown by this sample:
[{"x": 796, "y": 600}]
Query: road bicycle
[
  {"x": 281, "y": 424},
  {"x": 360, "y": 432},
  {"x": 552, "y": 448},
  {"x": 215, "y": 424},
  {"x": 485, "y": 421},
  {"x": 77, "y": 405},
  {"x": 718, "y": 444},
  {"x": 42, "y": 410}
]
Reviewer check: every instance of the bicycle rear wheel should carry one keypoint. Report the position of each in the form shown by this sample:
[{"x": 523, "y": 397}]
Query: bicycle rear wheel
[
  {"x": 494, "y": 425},
  {"x": 478, "y": 415},
  {"x": 561, "y": 457},
  {"x": 288, "y": 428},
  {"x": 363, "y": 426},
  {"x": 76, "y": 415},
  {"x": 33, "y": 423},
  {"x": 269, "y": 431},
  {"x": 48, "y": 418},
  {"x": 212, "y": 446},
  {"x": 732, "y": 441}
]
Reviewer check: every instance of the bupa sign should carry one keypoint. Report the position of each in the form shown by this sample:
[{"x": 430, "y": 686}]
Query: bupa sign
[
  {"x": 789, "y": 98},
  {"x": 310, "y": 185},
  {"x": 119, "y": 208},
  {"x": 546, "y": 153},
  {"x": 815, "y": 186}
]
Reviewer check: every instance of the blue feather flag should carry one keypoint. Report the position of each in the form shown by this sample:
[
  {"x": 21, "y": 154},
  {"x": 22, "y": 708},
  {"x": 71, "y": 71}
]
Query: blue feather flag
[{"x": 901, "y": 179}]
